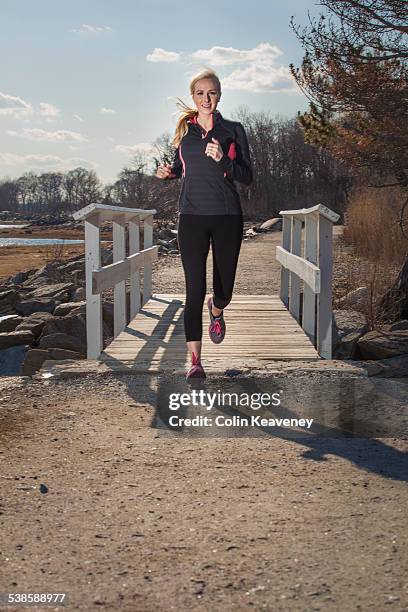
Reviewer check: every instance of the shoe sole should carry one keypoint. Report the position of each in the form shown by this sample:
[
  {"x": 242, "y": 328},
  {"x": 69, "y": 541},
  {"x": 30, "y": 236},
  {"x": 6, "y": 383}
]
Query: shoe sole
[{"x": 209, "y": 327}]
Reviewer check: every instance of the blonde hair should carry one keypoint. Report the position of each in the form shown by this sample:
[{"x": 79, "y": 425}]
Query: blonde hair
[{"x": 187, "y": 112}]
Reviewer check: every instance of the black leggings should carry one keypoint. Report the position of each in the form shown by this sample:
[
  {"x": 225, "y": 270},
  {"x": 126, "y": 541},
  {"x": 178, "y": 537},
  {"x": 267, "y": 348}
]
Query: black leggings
[{"x": 194, "y": 235}]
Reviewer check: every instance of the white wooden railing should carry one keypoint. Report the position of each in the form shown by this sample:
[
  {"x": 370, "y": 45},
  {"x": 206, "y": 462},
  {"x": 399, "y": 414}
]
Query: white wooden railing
[
  {"x": 98, "y": 278},
  {"x": 313, "y": 267}
]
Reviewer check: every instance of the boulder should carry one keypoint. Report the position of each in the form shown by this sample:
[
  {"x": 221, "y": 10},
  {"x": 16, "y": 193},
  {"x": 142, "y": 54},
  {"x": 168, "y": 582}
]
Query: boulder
[
  {"x": 399, "y": 325},
  {"x": 27, "y": 307},
  {"x": 346, "y": 347},
  {"x": 21, "y": 277},
  {"x": 64, "y": 309},
  {"x": 79, "y": 294},
  {"x": 59, "y": 291},
  {"x": 73, "y": 266},
  {"x": 8, "y": 300},
  {"x": 9, "y": 323},
  {"x": 62, "y": 341},
  {"x": 358, "y": 299},
  {"x": 43, "y": 274},
  {"x": 107, "y": 313},
  {"x": 71, "y": 324},
  {"x": 106, "y": 256},
  {"x": 34, "y": 323},
  {"x": 381, "y": 344},
  {"x": 348, "y": 327},
  {"x": 59, "y": 354},
  {"x": 165, "y": 234},
  {"x": 33, "y": 361},
  {"x": 274, "y": 225},
  {"x": 11, "y": 360},
  {"x": 16, "y": 337},
  {"x": 346, "y": 321}
]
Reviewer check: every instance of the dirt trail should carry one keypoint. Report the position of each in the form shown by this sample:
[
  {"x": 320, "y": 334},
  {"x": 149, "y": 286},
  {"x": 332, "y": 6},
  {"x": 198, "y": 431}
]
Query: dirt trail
[{"x": 139, "y": 519}]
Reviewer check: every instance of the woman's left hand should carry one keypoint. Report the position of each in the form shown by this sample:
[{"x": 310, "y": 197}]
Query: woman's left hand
[{"x": 214, "y": 150}]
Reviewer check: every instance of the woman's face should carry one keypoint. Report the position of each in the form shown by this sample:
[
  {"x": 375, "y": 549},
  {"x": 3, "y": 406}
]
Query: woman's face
[{"x": 206, "y": 96}]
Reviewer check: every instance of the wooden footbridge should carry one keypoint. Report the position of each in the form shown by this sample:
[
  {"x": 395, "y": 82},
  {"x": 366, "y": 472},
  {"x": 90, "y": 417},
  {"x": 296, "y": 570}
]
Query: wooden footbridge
[{"x": 148, "y": 328}]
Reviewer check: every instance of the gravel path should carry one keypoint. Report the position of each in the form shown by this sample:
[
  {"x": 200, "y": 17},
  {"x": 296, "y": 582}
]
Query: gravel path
[{"x": 137, "y": 518}]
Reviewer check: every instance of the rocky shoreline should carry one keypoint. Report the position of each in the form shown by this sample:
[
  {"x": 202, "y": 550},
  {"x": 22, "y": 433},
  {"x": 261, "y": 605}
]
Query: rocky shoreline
[{"x": 43, "y": 315}]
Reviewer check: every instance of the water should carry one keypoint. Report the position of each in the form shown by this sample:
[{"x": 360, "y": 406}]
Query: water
[
  {"x": 7, "y": 226},
  {"x": 35, "y": 241}
]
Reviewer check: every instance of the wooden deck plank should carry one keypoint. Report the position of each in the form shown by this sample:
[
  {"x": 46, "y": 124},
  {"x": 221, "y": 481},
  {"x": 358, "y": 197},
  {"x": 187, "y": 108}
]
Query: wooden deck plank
[{"x": 155, "y": 338}]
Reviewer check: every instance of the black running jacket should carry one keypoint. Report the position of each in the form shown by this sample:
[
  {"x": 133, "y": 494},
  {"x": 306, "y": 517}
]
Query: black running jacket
[{"x": 207, "y": 185}]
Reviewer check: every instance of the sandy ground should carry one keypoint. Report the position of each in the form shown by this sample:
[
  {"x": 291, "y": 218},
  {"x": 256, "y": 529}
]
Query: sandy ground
[{"x": 137, "y": 517}]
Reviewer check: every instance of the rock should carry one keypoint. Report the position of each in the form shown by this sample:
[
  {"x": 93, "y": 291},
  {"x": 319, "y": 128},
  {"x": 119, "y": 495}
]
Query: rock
[
  {"x": 392, "y": 367},
  {"x": 8, "y": 300},
  {"x": 383, "y": 344},
  {"x": 274, "y": 225},
  {"x": 11, "y": 360},
  {"x": 346, "y": 321},
  {"x": 348, "y": 327},
  {"x": 346, "y": 347},
  {"x": 27, "y": 307},
  {"x": 60, "y": 291},
  {"x": 16, "y": 337},
  {"x": 63, "y": 341},
  {"x": 60, "y": 354},
  {"x": 357, "y": 299},
  {"x": 46, "y": 272},
  {"x": 9, "y": 323},
  {"x": 165, "y": 234},
  {"x": 251, "y": 232},
  {"x": 73, "y": 266},
  {"x": 35, "y": 322},
  {"x": 79, "y": 294},
  {"x": 64, "y": 309},
  {"x": 20, "y": 277},
  {"x": 71, "y": 325},
  {"x": 399, "y": 325},
  {"x": 106, "y": 256},
  {"x": 107, "y": 313}
]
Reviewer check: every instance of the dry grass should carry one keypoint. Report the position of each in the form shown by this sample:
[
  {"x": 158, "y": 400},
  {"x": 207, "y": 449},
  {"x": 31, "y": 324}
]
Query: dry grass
[
  {"x": 22, "y": 258},
  {"x": 371, "y": 225},
  {"x": 372, "y": 249}
]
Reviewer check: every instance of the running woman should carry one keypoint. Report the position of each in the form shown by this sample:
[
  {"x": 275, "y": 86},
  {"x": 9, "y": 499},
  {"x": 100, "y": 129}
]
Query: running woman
[{"x": 211, "y": 153}]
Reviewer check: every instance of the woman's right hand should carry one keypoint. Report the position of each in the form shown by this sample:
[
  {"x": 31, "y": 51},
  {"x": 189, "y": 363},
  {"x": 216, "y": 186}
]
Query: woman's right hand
[{"x": 163, "y": 171}]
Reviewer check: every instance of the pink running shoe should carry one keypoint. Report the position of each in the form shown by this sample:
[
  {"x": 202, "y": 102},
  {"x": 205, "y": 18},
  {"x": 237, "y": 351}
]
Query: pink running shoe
[
  {"x": 217, "y": 327},
  {"x": 196, "y": 370}
]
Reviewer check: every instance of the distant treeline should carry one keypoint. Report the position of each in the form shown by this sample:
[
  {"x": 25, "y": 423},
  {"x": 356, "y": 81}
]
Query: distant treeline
[{"x": 288, "y": 173}]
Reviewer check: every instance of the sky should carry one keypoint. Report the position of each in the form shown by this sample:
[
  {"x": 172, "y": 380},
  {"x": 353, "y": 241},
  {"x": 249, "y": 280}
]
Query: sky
[{"x": 91, "y": 83}]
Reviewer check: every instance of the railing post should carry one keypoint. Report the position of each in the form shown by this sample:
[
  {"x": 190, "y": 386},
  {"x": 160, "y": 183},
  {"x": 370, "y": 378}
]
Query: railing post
[
  {"x": 286, "y": 240},
  {"x": 295, "y": 248},
  {"x": 147, "y": 269},
  {"x": 119, "y": 290},
  {"x": 94, "y": 336},
  {"x": 309, "y": 297},
  {"x": 134, "y": 247},
  {"x": 324, "y": 298}
]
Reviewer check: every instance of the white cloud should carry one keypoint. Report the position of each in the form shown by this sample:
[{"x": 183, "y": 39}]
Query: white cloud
[
  {"x": 14, "y": 106},
  {"x": 110, "y": 138},
  {"x": 256, "y": 70},
  {"x": 48, "y": 110},
  {"x": 161, "y": 55},
  {"x": 260, "y": 79},
  {"x": 143, "y": 147},
  {"x": 89, "y": 29},
  {"x": 264, "y": 54},
  {"x": 35, "y": 162},
  {"x": 78, "y": 117},
  {"x": 46, "y": 136},
  {"x": 107, "y": 111}
]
